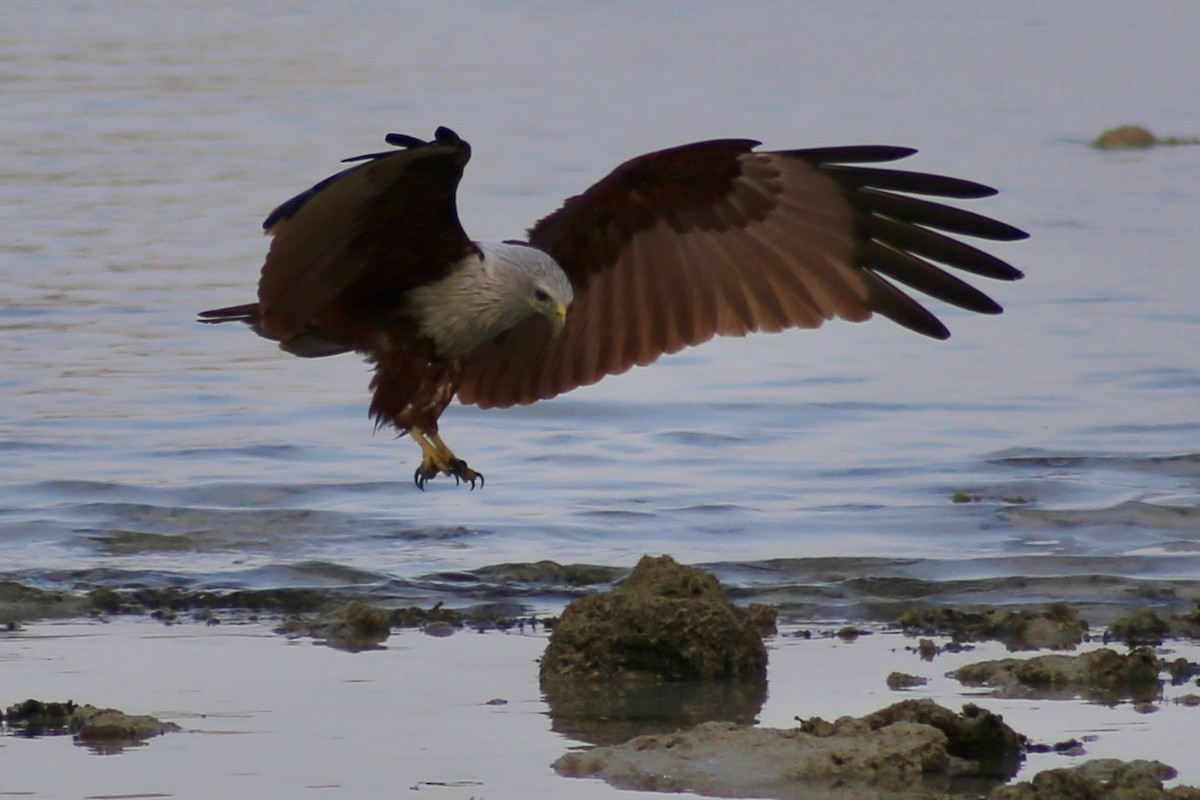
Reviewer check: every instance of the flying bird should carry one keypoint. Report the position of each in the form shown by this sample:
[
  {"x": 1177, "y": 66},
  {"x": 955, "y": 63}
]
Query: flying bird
[{"x": 670, "y": 249}]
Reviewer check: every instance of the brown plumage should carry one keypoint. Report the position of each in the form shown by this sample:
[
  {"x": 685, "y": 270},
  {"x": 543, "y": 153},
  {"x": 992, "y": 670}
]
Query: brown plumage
[{"x": 669, "y": 250}]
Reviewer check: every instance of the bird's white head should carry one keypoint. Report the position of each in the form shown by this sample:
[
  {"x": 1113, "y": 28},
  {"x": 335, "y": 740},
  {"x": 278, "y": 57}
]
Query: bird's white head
[
  {"x": 535, "y": 277},
  {"x": 486, "y": 295}
]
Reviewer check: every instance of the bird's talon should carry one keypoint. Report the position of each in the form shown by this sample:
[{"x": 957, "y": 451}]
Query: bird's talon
[
  {"x": 421, "y": 476},
  {"x": 435, "y": 463},
  {"x": 460, "y": 471}
]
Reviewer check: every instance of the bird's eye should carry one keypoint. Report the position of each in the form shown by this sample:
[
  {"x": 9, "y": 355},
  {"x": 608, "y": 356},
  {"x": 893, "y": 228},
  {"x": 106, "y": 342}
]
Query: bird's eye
[{"x": 541, "y": 296}]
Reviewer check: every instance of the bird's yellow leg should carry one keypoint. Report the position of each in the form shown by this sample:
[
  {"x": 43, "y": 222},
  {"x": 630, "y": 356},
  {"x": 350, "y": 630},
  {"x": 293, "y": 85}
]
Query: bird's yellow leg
[{"x": 437, "y": 459}]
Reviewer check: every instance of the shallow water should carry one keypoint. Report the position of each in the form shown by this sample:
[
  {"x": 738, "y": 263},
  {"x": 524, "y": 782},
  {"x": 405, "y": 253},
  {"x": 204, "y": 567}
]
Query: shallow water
[
  {"x": 267, "y": 717},
  {"x": 140, "y": 148}
]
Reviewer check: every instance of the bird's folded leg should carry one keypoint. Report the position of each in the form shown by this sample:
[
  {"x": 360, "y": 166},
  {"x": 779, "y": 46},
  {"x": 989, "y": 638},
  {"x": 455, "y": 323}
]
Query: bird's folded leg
[{"x": 437, "y": 459}]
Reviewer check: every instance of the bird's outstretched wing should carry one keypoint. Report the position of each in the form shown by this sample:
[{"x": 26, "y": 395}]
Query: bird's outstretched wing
[
  {"x": 714, "y": 238},
  {"x": 355, "y": 242}
]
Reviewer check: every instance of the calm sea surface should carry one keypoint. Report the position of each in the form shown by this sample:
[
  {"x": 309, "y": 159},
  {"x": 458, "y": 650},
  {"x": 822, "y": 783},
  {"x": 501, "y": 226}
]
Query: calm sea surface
[{"x": 1051, "y": 453}]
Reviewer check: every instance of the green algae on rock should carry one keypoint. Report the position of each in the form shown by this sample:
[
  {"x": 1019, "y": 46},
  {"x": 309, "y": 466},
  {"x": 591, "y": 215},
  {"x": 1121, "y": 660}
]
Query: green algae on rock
[{"x": 664, "y": 621}]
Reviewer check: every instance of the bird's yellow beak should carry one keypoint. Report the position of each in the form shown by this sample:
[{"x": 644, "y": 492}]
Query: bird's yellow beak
[{"x": 559, "y": 318}]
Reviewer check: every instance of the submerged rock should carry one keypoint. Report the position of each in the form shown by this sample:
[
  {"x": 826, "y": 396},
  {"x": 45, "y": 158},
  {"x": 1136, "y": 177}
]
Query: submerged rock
[
  {"x": 664, "y": 621},
  {"x": 1103, "y": 779},
  {"x": 1103, "y": 675},
  {"x": 547, "y": 573},
  {"x": 1058, "y": 627},
  {"x": 1135, "y": 137},
  {"x": 20, "y": 602},
  {"x": 1185, "y": 625},
  {"x": 38, "y": 717},
  {"x": 900, "y": 751},
  {"x": 89, "y": 724},
  {"x": 1125, "y": 137},
  {"x": 354, "y": 627},
  {"x": 1139, "y": 627},
  {"x": 898, "y": 681}
]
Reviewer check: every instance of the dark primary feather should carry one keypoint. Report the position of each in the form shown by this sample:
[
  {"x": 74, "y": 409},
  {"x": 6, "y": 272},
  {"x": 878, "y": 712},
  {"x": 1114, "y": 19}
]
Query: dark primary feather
[
  {"x": 345, "y": 251},
  {"x": 247, "y": 312},
  {"x": 713, "y": 238}
]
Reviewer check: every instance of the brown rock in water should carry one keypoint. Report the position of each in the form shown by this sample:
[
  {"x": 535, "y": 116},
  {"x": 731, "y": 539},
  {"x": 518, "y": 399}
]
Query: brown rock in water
[
  {"x": 354, "y": 627},
  {"x": 357, "y": 626},
  {"x": 88, "y": 723},
  {"x": 1138, "y": 627},
  {"x": 1125, "y": 137},
  {"x": 1058, "y": 627},
  {"x": 664, "y": 621},
  {"x": 1103, "y": 675},
  {"x": 892, "y": 753},
  {"x": 977, "y": 737},
  {"x": 92, "y": 724},
  {"x": 38, "y": 717},
  {"x": 1103, "y": 779},
  {"x": 1186, "y": 625},
  {"x": 897, "y": 681}
]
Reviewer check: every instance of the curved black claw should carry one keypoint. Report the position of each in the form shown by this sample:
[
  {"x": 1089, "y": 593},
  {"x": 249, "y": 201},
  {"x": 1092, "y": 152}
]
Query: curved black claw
[
  {"x": 463, "y": 473},
  {"x": 457, "y": 469},
  {"x": 421, "y": 476}
]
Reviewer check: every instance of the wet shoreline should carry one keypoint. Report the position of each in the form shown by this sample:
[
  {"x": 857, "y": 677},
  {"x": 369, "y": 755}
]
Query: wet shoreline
[
  {"x": 943, "y": 654},
  {"x": 876, "y": 590}
]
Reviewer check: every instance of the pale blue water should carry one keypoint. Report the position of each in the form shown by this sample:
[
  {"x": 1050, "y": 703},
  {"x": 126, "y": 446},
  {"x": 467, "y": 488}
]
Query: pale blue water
[{"x": 141, "y": 146}]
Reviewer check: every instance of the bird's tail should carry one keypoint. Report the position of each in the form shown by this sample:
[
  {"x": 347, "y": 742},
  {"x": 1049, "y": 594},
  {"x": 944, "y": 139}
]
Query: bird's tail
[
  {"x": 311, "y": 342},
  {"x": 249, "y": 314}
]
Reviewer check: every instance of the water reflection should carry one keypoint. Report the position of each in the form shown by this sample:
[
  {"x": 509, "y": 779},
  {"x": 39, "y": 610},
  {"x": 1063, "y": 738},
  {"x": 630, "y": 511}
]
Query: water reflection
[{"x": 606, "y": 712}]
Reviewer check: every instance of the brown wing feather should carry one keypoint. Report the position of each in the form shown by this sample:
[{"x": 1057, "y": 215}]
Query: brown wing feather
[
  {"x": 713, "y": 238},
  {"x": 353, "y": 244}
]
